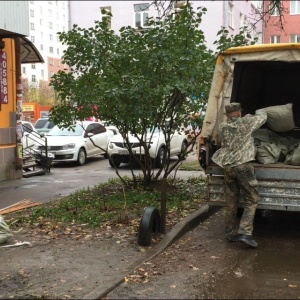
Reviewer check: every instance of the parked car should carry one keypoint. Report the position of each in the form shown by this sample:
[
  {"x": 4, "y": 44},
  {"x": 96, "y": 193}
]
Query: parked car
[
  {"x": 43, "y": 125},
  {"x": 84, "y": 140},
  {"x": 118, "y": 150},
  {"x": 29, "y": 135}
]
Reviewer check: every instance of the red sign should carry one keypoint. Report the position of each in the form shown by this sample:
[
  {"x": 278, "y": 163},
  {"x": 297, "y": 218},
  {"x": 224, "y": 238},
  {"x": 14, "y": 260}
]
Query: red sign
[{"x": 3, "y": 78}]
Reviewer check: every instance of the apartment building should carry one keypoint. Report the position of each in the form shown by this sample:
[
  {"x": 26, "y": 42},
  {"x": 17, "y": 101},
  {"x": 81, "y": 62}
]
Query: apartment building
[
  {"x": 230, "y": 14},
  {"x": 291, "y": 23},
  {"x": 46, "y": 19}
]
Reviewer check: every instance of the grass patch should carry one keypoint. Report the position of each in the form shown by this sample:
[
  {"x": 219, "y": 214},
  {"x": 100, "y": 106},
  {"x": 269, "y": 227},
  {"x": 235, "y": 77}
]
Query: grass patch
[{"x": 110, "y": 202}]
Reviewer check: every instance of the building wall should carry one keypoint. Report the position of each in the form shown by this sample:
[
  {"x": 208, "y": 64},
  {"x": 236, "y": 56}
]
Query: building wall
[
  {"x": 291, "y": 24},
  {"x": 123, "y": 15},
  {"x": 10, "y": 11},
  {"x": 33, "y": 111},
  {"x": 8, "y": 149}
]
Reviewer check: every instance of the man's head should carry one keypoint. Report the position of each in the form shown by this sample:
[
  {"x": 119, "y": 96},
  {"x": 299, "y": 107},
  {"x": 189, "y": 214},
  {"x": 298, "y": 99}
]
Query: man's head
[{"x": 233, "y": 109}]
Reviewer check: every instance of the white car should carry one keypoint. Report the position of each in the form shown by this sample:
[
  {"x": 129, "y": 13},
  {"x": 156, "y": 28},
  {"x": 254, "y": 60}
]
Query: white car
[
  {"x": 118, "y": 152},
  {"x": 30, "y": 135},
  {"x": 87, "y": 139}
]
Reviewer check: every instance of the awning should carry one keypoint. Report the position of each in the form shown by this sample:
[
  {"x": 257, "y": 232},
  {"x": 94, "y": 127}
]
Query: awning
[{"x": 29, "y": 53}]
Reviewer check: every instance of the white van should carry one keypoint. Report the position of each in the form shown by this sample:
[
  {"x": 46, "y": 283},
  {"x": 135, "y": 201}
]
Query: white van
[{"x": 256, "y": 76}]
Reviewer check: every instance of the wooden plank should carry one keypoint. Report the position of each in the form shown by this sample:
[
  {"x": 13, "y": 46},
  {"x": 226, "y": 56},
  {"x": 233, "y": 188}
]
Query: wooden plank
[
  {"x": 13, "y": 209},
  {"x": 22, "y": 202}
]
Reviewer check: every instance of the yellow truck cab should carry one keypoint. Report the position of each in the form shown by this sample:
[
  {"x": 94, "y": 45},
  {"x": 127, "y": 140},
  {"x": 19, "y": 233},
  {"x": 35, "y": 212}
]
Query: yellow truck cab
[{"x": 257, "y": 76}]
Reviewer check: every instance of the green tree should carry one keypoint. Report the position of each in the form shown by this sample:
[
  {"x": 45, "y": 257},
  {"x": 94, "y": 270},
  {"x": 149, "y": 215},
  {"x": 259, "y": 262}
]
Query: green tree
[
  {"x": 137, "y": 80},
  {"x": 140, "y": 79}
]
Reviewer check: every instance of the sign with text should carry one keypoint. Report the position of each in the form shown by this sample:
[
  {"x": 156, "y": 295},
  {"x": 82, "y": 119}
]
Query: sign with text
[{"x": 3, "y": 78}]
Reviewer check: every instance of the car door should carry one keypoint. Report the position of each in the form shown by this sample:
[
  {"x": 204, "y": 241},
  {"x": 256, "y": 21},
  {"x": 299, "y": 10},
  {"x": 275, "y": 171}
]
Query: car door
[
  {"x": 88, "y": 140},
  {"x": 176, "y": 141},
  {"x": 101, "y": 137}
]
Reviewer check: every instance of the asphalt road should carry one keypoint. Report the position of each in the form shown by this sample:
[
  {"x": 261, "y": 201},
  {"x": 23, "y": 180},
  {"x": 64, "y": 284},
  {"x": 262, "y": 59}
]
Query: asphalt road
[{"x": 65, "y": 179}]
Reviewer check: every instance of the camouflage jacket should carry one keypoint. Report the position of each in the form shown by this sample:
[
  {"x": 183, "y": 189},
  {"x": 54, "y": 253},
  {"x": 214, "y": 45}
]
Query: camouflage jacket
[{"x": 237, "y": 140}]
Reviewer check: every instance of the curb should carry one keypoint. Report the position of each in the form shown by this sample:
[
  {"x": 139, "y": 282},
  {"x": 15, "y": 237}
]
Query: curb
[{"x": 182, "y": 227}]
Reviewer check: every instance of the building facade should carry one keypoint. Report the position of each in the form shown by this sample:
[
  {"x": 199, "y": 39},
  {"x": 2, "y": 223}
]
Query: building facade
[
  {"x": 230, "y": 14},
  {"x": 290, "y": 33},
  {"x": 45, "y": 20},
  {"x": 15, "y": 49}
]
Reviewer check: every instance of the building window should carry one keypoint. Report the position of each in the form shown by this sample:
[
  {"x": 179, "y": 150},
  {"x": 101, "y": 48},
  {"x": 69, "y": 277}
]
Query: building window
[
  {"x": 241, "y": 21},
  {"x": 50, "y": 2},
  {"x": 42, "y": 73},
  {"x": 58, "y": 62},
  {"x": 230, "y": 15},
  {"x": 24, "y": 70},
  {"x": 141, "y": 14},
  {"x": 63, "y": 5},
  {"x": 51, "y": 74},
  {"x": 57, "y": 51},
  {"x": 32, "y": 66},
  {"x": 33, "y": 78},
  {"x": 32, "y": 26},
  {"x": 295, "y": 7},
  {"x": 295, "y": 38},
  {"x": 51, "y": 49},
  {"x": 51, "y": 62},
  {"x": 275, "y": 39},
  {"x": 42, "y": 35},
  {"x": 41, "y": 21},
  {"x": 51, "y": 37},
  {"x": 32, "y": 2},
  {"x": 49, "y": 12},
  {"x": 50, "y": 25},
  {"x": 273, "y": 8},
  {"x": 42, "y": 47},
  {"x": 104, "y": 16},
  {"x": 31, "y": 13},
  {"x": 32, "y": 38},
  {"x": 41, "y": 9}
]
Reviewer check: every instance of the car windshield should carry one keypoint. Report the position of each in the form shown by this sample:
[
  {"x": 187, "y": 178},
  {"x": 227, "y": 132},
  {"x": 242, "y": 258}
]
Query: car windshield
[
  {"x": 44, "y": 123},
  {"x": 74, "y": 131}
]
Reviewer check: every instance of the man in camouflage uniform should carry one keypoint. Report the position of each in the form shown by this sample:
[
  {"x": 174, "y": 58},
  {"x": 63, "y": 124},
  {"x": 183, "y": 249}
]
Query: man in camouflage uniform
[{"x": 235, "y": 157}]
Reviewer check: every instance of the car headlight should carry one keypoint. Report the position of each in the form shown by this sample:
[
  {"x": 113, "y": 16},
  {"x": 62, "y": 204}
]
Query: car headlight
[
  {"x": 111, "y": 146},
  {"x": 68, "y": 146}
]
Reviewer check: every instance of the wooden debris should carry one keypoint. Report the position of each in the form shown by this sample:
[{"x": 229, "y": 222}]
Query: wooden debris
[{"x": 23, "y": 204}]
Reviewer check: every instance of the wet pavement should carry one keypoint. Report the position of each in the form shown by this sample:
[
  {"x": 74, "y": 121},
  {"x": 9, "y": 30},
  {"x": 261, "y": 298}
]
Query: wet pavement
[{"x": 203, "y": 265}]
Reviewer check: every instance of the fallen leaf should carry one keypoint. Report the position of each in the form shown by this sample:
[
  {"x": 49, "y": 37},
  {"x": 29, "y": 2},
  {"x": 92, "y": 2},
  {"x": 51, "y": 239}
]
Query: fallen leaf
[{"x": 292, "y": 285}]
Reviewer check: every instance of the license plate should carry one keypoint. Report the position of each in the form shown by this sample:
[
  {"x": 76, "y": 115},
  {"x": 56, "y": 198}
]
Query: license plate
[{"x": 126, "y": 152}]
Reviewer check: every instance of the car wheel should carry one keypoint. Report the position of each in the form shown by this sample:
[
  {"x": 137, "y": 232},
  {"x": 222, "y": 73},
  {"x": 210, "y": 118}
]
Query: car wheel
[
  {"x": 183, "y": 150},
  {"x": 114, "y": 162},
  {"x": 81, "y": 157},
  {"x": 159, "y": 157}
]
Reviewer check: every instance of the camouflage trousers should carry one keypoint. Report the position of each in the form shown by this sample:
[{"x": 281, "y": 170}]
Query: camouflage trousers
[{"x": 240, "y": 180}]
